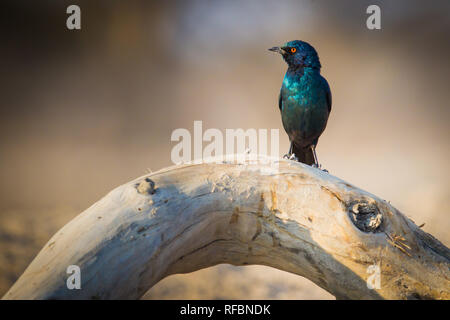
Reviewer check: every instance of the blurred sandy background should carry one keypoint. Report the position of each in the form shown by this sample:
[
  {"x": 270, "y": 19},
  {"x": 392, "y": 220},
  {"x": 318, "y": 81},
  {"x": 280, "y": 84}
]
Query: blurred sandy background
[{"x": 85, "y": 111}]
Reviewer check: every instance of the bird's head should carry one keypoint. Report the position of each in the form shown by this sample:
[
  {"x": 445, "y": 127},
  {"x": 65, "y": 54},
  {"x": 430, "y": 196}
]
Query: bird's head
[{"x": 298, "y": 54}]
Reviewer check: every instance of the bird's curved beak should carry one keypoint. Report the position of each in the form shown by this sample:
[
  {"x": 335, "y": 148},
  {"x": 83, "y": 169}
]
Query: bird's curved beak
[{"x": 277, "y": 49}]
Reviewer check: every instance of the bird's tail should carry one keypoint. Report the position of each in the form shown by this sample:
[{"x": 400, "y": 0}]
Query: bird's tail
[{"x": 304, "y": 155}]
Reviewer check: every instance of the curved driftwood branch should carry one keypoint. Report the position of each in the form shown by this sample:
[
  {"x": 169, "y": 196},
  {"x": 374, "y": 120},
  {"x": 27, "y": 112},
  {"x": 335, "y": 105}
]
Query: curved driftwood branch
[{"x": 281, "y": 214}]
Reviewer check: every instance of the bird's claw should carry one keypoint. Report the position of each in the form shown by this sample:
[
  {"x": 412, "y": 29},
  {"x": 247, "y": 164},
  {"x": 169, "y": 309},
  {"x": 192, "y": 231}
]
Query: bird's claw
[
  {"x": 319, "y": 166},
  {"x": 290, "y": 157}
]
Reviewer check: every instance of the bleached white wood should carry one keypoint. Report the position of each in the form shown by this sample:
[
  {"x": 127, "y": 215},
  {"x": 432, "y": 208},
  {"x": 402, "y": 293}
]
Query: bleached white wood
[{"x": 280, "y": 213}]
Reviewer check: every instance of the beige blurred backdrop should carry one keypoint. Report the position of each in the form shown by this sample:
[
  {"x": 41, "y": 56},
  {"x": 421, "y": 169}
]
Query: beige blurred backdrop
[{"x": 85, "y": 111}]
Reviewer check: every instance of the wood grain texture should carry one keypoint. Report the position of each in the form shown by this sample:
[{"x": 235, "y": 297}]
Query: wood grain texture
[{"x": 271, "y": 212}]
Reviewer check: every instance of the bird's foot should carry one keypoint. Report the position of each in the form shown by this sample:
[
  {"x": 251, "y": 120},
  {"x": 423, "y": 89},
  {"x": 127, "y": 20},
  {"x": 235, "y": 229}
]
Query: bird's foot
[
  {"x": 319, "y": 166},
  {"x": 290, "y": 157}
]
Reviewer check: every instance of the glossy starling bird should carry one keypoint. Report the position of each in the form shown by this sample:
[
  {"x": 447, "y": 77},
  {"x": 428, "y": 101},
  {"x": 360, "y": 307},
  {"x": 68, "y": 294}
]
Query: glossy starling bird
[{"x": 304, "y": 101}]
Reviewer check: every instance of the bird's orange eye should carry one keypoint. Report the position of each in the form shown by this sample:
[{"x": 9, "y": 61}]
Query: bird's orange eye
[{"x": 293, "y": 50}]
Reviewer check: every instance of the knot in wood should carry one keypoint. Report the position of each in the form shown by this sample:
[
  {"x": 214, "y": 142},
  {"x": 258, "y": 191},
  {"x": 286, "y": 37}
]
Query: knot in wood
[
  {"x": 147, "y": 186},
  {"x": 366, "y": 216}
]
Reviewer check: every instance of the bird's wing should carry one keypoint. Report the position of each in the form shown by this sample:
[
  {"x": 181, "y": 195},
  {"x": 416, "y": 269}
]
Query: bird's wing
[
  {"x": 329, "y": 100},
  {"x": 280, "y": 102},
  {"x": 328, "y": 93}
]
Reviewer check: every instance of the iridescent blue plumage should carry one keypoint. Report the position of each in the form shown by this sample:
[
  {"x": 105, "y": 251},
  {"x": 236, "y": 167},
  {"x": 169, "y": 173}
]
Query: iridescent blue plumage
[{"x": 304, "y": 101}]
